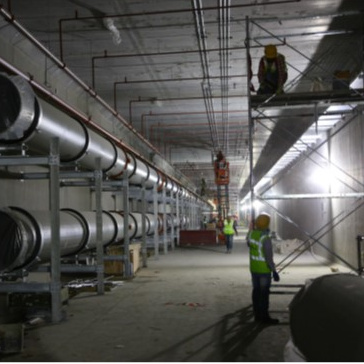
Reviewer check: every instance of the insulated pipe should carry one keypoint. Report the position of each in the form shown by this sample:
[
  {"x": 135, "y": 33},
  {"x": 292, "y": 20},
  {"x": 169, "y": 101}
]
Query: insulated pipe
[
  {"x": 25, "y": 236},
  {"x": 151, "y": 222},
  {"x": 171, "y": 219},
  {"x": 171, "y": 186},
  {"x": 132, "y": 228},
  {"x": 184, "y": 221},
  {"x": 176, "y": 223},
  {"x": 112, "y": 228},
  {"x": 138, "y": 171},
  {"x": 26, "y": 118},
  {"x": 137, "y": 219}
]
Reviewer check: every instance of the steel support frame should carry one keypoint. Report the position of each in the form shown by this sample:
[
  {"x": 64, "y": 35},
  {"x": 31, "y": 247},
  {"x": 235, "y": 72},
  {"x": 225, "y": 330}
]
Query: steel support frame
[
  {"x": 99, "y": 237},
  {"x": 164, "y": 207},
  {"x": 359, "y": 240},
  {"x": 156, "y": 220},
  {"x": 144, "y": 229},
  {"x": 171, "y": 204},
  {"x": 126, "y": 210},
  {"x": 54, "y": 286},
  {"x": 251, "y": 124},
  {"x": 55, "y": 269},
  {"x": 251, "y": 130}
]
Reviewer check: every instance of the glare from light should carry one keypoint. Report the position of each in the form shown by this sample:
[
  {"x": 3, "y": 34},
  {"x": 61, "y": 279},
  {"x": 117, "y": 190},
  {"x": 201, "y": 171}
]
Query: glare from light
[
  {"x": 325, "y": 177},
  {"x": 211, "y": 202},
  {"x": 246, "y": 206}
]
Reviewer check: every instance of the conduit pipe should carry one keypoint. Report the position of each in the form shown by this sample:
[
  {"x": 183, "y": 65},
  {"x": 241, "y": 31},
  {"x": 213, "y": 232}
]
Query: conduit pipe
[
  {"x": 224, "y": 40},
  {"x": 205, "y": 84},
  {"x": 25, "y": 235},
  {"x": 175, "y": 99},
  {"x": 152, "y": 13},
  {"x": 150, "y": 114}
]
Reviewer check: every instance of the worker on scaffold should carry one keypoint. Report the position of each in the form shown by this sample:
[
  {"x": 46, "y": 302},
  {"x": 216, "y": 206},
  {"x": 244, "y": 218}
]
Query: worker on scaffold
[{"x": 272, "y": 71}]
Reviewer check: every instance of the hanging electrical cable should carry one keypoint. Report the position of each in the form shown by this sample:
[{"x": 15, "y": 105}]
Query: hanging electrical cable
[
  {"x": 205, "y": 84},
  {"x": 224, "y": 36}
]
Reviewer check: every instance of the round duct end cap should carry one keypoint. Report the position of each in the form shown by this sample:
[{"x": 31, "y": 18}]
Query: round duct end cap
[
  {"x": 17, "y": 105},
  {"x": 10, "y": 241}
]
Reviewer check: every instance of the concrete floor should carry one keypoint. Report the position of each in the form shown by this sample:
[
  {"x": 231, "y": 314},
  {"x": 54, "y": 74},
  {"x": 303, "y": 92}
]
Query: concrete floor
[{"x": 192, "y": 304}]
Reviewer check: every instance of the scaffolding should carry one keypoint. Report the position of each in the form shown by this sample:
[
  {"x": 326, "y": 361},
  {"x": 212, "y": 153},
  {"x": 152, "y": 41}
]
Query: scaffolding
[{"x": 317, "y": 100}]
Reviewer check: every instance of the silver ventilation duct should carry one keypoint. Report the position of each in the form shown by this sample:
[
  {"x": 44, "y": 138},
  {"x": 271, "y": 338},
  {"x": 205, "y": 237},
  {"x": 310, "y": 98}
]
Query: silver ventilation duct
[
  {"x": 25, "y": 236},
  {"x": 24, "y": 117}
]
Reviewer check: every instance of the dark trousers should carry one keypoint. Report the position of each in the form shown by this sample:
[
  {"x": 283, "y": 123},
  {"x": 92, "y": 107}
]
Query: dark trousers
[
  {"x": 229, "y": 241},
  {"x": 260, "y": 296}
]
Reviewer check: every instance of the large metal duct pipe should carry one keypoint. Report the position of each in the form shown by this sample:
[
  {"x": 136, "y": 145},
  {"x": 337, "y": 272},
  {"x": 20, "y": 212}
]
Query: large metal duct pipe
[
  {"x": 26, "y": 118},
  {"x": 184, "y": 222},
  {"x": 136, "y": 219},
  {"x": 138, "y": 171},
  {"x": 25, "y": 236},
  {"x": 171, "y": 186},
  {"x": 327, "y": 319},
  {"x": 176, "y": 223},
  {"x": 152, "y": 222},
  {"x": 112, "y": 227}
]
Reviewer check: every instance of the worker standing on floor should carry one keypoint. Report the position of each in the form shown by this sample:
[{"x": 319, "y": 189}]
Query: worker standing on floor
[
  {"x": 229, "y": 231},
  {"x": 272, "y": 72},
  {"x": 261, "y": 267}
]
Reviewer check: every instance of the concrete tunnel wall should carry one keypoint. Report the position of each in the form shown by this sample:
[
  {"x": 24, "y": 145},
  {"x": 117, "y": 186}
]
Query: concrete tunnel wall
[{"x": 344, "y": 150}]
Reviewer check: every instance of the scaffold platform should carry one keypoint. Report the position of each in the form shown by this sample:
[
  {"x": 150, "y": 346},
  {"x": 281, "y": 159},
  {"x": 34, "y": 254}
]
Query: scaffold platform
[{"x": 308, "y": 98}]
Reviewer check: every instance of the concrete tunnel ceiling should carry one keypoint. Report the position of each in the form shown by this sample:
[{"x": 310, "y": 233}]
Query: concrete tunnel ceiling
[{"x": 177, "y": 71}]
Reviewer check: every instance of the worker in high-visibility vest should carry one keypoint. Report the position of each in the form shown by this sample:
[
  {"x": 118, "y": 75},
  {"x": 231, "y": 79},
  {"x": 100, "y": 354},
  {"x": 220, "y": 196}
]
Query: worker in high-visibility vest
[
  {"x": 272, "y": 71},
  {"x": 261, "y": 267},
  {"x": 229, "y": 231}
]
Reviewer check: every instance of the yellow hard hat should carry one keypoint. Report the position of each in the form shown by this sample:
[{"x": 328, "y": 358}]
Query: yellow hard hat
[
  {"x": 270, "y": 51},
  {"x": 262, "y": 221}
]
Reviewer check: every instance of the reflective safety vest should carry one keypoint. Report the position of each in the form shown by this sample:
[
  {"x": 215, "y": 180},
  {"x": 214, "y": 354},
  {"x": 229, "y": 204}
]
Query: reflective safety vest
[
  {"x": 257, "y": 258},
  {"x": 229, "y": 227}
]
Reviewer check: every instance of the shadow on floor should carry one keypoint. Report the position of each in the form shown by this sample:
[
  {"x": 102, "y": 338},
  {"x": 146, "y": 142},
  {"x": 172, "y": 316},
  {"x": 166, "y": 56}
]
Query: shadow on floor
[
  {"x": 236, "y": 332},
  {"x": 225, "y": 341}
]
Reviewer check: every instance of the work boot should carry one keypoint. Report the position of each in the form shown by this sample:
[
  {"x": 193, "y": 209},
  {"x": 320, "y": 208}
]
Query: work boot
[{"x": 270, "y": 321}]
